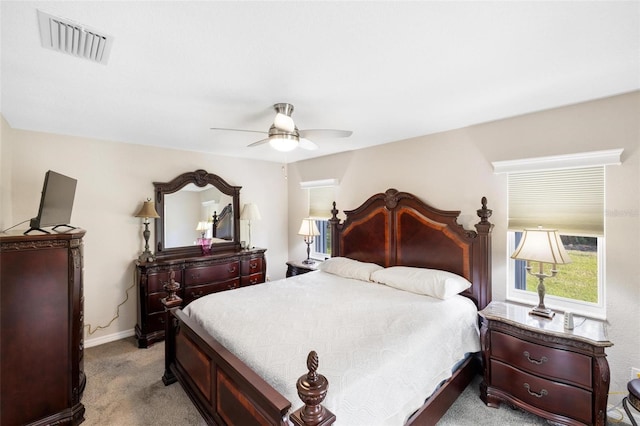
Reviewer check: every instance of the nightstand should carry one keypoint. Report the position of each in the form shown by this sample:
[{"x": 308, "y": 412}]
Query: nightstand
[
  {"x": 535, "y": 364},
  {"x": 295, "y": 267}
]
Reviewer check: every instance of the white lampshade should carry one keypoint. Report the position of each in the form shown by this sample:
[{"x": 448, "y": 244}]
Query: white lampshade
[
  {"x": 541, "y": 245},
  {"x": 202, "y": 226},
  {"x": 250, "y": 212},
  {"x": 283, "y": 142},
  {"x": 308, "y": 228}
]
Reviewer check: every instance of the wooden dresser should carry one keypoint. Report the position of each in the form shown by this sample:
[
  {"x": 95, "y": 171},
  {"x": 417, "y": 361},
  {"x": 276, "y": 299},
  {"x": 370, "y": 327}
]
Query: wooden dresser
[
  {"x": 41, "y": 320},
  {"x": 198, "y": 276},
  {"x": 535, "y": 364}
]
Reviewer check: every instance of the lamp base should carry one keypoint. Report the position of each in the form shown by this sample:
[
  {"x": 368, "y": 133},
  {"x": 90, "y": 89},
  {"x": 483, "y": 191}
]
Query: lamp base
[
  {"x": 308, "y": 261},
  {"x": 542, "y": 312},
  {"x": 147, "y": 256}
]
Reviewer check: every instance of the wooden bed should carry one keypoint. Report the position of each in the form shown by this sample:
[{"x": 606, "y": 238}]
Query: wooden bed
[
  {"x": 223, "y": 223},
  {"x": 390, "y": 229}
]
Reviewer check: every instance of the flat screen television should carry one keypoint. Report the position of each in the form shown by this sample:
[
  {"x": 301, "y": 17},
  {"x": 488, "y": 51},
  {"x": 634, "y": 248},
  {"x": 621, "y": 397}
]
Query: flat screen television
[{"x": 56, "y": 203}]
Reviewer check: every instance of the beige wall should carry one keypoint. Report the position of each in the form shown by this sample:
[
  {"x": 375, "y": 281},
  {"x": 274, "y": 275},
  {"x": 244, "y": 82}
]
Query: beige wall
[
  {"x": 113, "y": 181},
  {"x": 452, "y": 171},
  {"x": 5, "y": 175}
]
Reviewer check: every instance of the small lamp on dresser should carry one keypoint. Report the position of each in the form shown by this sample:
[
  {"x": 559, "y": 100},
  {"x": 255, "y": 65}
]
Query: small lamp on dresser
[
  {"x": 542, "y": 246},
  {"x": 308, "y": 230},
  {"x": 147, "y": 211},
  {"x": 202, "y": 228},
  {"x": 250, "y": 212}
]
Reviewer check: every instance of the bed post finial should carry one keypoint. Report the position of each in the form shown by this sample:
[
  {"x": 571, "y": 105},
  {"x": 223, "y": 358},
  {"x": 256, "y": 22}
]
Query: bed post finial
[
  {"x": 484, "y": 213},
  {"x": 312, "y": 389},
  {"x": 334, "y": 212}
]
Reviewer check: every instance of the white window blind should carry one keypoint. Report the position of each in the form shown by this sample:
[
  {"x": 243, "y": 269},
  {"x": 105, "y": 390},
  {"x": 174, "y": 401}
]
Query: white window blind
[
  {"x": 570, "y": 200},
  {"x": 322, "y": 194},
  {"x": 321, "y": 202}
]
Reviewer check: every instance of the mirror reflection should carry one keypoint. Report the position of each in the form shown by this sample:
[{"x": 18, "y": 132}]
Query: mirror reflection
[{"x": 194, "y": 214}]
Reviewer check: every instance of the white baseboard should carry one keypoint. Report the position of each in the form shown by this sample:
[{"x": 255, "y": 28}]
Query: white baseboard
[{"x": 96, "y": 341}]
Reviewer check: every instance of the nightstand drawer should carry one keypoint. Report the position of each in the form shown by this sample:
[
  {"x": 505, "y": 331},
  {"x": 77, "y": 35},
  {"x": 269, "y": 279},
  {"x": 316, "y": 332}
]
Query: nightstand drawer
[
  {"x": 558, "y": 364},
  {"x": 553, "y": 397}
]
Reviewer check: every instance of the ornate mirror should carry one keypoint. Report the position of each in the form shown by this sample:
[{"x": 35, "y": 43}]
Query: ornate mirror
[{"x": 193, "y": 207}]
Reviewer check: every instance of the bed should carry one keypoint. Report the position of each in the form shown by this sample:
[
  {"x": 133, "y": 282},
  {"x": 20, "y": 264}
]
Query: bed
[
  {"x": 223, "y": 224},
  {"x": 389, "y": 229}
]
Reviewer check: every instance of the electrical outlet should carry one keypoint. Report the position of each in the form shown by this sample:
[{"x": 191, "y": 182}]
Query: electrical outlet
[{"x": 635, "y": 373}]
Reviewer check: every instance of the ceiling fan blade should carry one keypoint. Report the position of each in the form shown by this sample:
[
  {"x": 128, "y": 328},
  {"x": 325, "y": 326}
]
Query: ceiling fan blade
[
  {"x": 239, "y": 130},
  {"x": 324, "y": 133},
  {"x": 307, "y": 144},
  {"x": 260, "y": 142},
  {"x": 284, "y": 122}
]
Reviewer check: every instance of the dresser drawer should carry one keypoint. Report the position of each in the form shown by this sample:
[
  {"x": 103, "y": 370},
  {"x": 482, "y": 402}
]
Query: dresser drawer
[
  {"x": 194, "y": 292},
  {"x": 207, "y": 274},
  {"x": 558, "y": 364},
  {"x": 252, "y": 279},
  {"x": 156, "y": 322},
  {"x": 252, "y": 266},
  {"x": 553, "y": 397},
  {"x": 156, "y": 281},
  {"x": 154, "y": 304}
]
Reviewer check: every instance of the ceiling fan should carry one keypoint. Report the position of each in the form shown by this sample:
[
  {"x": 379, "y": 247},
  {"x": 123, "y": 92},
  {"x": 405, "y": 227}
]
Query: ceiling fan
[{"x": 283, "y": 134}]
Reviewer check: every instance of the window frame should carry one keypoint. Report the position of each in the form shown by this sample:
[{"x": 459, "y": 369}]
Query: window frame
[
  {"x": 590, "y": 309},
  {"x": 309, "y": 186},
  {"x": 315, "y": 254},
  {"x": 578, "y": 160}
]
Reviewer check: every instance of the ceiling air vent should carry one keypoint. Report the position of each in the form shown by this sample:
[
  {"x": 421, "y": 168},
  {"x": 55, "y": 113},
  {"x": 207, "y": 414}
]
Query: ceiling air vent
[{"x": 70, "y": 37}]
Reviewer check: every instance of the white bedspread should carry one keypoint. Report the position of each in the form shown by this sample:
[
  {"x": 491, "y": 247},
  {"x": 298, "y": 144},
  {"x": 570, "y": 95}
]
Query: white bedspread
[{"x": 384, "y": 351}]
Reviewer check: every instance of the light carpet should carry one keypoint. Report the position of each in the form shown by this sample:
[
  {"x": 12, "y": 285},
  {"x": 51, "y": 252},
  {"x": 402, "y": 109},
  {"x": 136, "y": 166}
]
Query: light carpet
[{"x": 124, "y": 388}]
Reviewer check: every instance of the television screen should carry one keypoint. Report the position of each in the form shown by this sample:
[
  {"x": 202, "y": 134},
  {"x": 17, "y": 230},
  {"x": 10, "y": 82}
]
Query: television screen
[{"x": 56, "y": 202}]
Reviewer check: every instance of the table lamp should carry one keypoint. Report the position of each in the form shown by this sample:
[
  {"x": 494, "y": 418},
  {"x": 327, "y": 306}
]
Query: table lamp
[
  {"x": 542, "y": 246},
  {"x": 308, "y": 230},
  {"x": 146, "y": 211},
  {"x": 250, "y": 212}
]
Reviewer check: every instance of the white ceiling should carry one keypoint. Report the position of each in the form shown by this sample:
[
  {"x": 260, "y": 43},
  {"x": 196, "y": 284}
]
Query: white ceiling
[{"x": 386, "y": 70}]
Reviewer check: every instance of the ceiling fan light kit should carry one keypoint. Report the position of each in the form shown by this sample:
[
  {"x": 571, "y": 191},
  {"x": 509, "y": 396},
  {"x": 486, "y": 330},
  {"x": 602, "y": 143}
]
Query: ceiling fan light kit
[
  {"x": 283, "y": 142},
  {"x": 284, "y": 136}
]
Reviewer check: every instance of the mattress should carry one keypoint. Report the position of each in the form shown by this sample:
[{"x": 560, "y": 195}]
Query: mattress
[{"x": 384, "y": 351}]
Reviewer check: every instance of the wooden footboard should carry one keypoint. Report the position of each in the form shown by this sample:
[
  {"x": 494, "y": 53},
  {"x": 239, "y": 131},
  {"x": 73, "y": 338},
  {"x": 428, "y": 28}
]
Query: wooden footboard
[{"x": 223, "y": 388}]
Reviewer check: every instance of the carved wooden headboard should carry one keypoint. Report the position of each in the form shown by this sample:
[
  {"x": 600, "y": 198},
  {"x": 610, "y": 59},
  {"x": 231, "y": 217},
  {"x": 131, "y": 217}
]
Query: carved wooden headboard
[
  {"x": 223, "y": 223},
  {"x": 398, "y": 229}
]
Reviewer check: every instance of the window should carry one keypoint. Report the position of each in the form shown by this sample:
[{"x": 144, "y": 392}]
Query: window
[
  {"x": 322, "y": 194},
  {"x": 564, "y": 193},
  {"x": 322, "y": 244}
]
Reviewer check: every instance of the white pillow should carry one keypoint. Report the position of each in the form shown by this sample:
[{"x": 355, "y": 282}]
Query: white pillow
[
  {"x": 349, "y": 268},
  {"x": 430, "y": 282}
]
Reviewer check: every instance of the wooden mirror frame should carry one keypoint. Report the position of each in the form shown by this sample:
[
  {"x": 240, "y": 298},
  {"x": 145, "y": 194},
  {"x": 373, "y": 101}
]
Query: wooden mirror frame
[{"x": 199, "y": 178}]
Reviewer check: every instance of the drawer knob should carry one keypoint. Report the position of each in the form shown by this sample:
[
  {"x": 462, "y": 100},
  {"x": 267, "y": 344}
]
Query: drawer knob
[
  {"x": 232, "y": 269},
  {"x": 542, "y": 393},
  {"x": 535, "y": 361}
]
